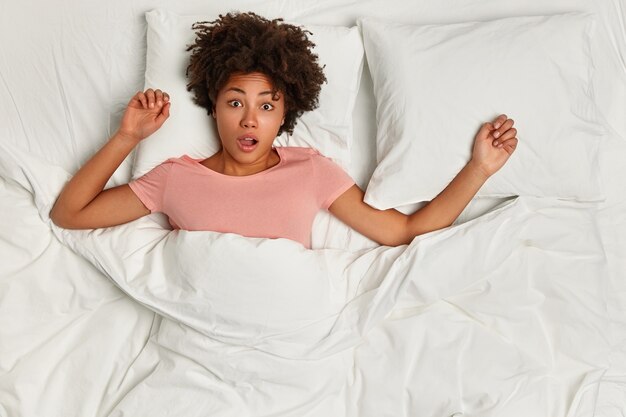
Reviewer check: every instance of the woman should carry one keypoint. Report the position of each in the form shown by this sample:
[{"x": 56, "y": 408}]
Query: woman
[{"x": 256, "y": 77}]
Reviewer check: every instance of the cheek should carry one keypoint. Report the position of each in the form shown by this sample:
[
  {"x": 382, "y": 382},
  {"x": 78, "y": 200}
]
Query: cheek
[
  {"x": 273, "y": 118},
  {"x": 278, "y": 114},
  {"x": 225, "y": 119},
  {"x": 273, "y": 124},
  {"x": 224, "y": 128}
]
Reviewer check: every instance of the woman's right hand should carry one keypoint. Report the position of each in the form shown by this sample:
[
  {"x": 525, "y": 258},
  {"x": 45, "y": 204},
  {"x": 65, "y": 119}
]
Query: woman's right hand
[{"x": 145, "y": 114}]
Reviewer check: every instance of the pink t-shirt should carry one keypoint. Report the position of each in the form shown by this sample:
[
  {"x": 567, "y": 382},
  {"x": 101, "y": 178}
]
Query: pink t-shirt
[{"x": 281, "y": 201}]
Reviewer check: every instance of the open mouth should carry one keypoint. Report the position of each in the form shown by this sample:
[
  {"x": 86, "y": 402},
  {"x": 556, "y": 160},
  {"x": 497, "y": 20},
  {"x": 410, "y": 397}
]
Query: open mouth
[{"x": 247, "y": 143}]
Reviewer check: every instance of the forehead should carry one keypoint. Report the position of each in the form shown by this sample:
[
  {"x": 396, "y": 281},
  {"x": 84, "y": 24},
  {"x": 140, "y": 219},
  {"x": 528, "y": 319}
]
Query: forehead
[{"x": 249, "y": 81}]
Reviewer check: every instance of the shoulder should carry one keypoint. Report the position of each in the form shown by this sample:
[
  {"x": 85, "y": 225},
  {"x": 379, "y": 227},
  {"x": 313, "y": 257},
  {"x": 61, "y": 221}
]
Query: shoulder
[
  {"x": 320, "y": 167},
  {"x": 181, "y": 161},
  {"x": 294, "y": 153},
  {"x": 164, "y": 168}
]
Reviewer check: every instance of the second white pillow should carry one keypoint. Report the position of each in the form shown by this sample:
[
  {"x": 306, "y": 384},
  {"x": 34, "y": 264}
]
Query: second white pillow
[{"x": 436, "y": 84}]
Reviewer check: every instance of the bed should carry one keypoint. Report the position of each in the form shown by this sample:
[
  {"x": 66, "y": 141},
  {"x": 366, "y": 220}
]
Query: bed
[{"x": 517, "y": 309}]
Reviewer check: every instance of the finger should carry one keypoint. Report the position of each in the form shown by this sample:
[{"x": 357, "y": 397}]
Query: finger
[
  {"x": 511, "y": 133},
  {"x": 158, "y": 96},
  {"x": 166, "y": 97},
  {"x": 506, "y": 125},
  {"x": 141, "y": 97},
  {"x": 165, "y": 113},
  {"x": 510, "y": 145},
  {"x": 485, "y": 129},
  {"x": 499, "y": 121},
  {"x": 150, "y": 96}
]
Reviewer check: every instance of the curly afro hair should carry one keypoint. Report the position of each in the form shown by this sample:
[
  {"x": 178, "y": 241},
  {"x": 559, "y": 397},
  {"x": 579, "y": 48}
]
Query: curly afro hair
[{"x": 245, "y": 43}]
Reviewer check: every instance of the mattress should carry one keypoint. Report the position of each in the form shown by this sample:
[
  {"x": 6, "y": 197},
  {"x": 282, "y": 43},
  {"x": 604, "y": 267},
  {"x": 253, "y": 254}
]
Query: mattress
[{"x": 518, "y": 309}]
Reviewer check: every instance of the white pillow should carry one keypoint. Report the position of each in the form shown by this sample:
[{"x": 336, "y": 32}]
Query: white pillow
[
  {"x": 436, "y": 84},
  {"x": 189, "y": 130}
]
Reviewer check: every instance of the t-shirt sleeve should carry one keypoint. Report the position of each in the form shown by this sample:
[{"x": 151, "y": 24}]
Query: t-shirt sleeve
[
  {"x": 331, "y": 180},
  {"x": 150, "y": 187}
]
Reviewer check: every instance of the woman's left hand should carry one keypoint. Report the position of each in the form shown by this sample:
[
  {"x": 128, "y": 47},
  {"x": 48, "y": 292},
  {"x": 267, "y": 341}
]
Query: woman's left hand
[{"x": 494, "y": 144}]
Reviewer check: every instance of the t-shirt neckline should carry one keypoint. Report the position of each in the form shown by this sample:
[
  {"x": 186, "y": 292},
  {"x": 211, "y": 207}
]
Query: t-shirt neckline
[{"x": 212, "y": 172}]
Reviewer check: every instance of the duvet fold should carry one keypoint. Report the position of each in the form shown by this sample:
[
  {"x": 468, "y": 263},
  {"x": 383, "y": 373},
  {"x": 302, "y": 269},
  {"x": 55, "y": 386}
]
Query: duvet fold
[
  {"x": 273, "y": 294},
  {"x": 480, "y": 318}
]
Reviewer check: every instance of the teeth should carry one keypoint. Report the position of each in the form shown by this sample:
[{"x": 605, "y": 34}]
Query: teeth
[{"x": 248, "y": 141}]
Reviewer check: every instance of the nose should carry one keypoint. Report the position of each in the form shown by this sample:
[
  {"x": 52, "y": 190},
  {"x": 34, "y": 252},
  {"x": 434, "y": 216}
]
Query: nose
[{"x": 249, "y": 119}]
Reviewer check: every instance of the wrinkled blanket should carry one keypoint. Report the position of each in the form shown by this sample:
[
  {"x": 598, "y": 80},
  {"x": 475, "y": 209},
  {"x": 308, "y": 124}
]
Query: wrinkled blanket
[{"x": 502, "y": 315}]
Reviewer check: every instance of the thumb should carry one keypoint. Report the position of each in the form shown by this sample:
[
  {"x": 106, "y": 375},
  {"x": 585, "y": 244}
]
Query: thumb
[
  {"x": 485, "y": 130},
  {"x": 165, "y": 113}
]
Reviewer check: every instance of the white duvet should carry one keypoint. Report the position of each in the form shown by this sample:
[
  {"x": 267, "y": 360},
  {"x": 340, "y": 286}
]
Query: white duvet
[
  {"x": 518, "y": 313},
  {"x": 504, "y": 315}
]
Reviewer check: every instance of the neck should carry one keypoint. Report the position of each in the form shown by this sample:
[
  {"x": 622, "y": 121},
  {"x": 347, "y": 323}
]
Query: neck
[{"x": 224, "y": 163}]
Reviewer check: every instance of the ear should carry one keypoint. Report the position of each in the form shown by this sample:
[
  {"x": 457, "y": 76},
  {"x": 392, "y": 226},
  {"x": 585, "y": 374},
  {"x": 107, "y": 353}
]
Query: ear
[
  {"x": 213, "y": 112},
  {"x": 282, "y": 121}
]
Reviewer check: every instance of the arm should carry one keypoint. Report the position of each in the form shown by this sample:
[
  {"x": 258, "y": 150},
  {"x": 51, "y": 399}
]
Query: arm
[
  {"x": 493, "y": 145},
  {"x": 83, "y": 204}
]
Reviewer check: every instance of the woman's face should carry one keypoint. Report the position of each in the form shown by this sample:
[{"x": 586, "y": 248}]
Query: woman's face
[{"x": 248, "y": 116}]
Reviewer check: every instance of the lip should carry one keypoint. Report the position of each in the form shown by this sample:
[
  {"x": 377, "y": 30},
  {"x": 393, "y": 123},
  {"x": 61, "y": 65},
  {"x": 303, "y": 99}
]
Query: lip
[{"x": 247, "y": 148}]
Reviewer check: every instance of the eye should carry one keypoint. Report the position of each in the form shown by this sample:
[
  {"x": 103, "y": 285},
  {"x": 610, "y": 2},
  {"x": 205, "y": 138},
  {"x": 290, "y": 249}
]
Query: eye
[
  {"x": 267, "y": 106},
  {"x": 235, "y": 103}
]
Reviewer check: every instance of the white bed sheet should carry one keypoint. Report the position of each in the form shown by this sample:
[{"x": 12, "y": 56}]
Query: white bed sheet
[{"x": 73, "y": 344}]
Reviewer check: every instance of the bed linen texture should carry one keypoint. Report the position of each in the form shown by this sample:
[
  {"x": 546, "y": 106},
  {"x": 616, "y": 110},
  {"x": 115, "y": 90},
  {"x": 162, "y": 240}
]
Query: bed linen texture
[
  {"x": 270, "y": 309},
  {"x": 544, "y": 86},
  {"x": 518, "y": 309}
]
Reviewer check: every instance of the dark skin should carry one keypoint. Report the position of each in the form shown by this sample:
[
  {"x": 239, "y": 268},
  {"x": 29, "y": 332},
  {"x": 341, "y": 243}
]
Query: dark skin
[{"x": 243, "y": 108}]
